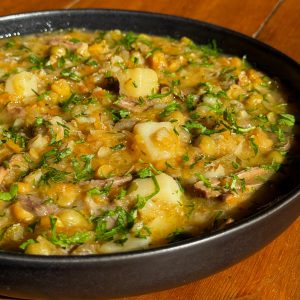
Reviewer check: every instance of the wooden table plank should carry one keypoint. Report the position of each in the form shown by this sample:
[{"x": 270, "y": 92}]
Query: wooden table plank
[
  {"x": 17, "y": 6},
  {"x": 244, "y": 16},
  {"x": 282, "y": 31}
]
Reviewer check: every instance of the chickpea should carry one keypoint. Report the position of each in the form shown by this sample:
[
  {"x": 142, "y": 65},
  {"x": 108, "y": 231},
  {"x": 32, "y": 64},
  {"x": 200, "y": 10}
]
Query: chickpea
[
  {"x": 253, "y": 101},
  {"x": 177, "y": 115},
  {"x": 103, "y": 151},
  {"x": 62, "y": 88},
  {"x": 14, "y": 233},
  {"x": 24, "y": 188},
  {"x": 104, "y": 171},
  {"x": 158, "y": 60},
  {"x": 42, "y": 247},
  {"x": 45, "y": 223},
  {"x": 58, "y": 51},
  {"x": 73, "y": 220},
  {"x": 208, "y": 146},
  {"x": 21, "y": 214},
  {"x": 276, "y": 156},
  {"x": 98, "y": 49}
]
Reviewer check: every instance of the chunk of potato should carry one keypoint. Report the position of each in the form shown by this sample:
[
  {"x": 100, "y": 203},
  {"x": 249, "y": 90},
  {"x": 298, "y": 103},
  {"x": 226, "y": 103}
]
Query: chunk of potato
[
  {"x": 42, "y": 247},
  {"x": 157, "y": 141},
  {"x": 131, "y": 244},
  {"x": 138, "y": 82},
  {"x": 22, "y": 84},
  {"x": 164, "y": 212}
]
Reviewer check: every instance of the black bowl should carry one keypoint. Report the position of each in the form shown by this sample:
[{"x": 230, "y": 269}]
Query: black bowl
[{"x": 136, "y": 272}]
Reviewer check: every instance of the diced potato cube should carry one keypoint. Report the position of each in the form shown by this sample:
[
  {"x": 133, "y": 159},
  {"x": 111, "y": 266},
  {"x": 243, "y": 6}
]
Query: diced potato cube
[
  {"x": 131, "y": 244},
  {"x": 22, "y": 84},
  {"x": 164, "y": 212},
  {"x": 138, "y": 82},
  {"x": 157, "y": 140},
  {"x": 169, "y": 191}
]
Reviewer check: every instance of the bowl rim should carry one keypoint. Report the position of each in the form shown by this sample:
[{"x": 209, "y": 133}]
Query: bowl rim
[{"x": 276, "y": 206}]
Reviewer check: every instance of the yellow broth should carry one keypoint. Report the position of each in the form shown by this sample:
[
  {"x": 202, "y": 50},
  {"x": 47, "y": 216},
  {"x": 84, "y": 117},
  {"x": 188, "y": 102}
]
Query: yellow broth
[{"x": 113, "y": 141}]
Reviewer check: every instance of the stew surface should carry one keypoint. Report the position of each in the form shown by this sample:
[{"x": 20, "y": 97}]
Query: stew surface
[{"x": 113, "y": 141}]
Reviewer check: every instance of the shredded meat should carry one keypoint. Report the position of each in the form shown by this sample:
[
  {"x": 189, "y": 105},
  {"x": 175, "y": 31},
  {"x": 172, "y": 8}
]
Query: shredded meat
[
  {"x": 208, "y": 192},
  {"x": 114, "y": 181},
  {"x": 16, "y": 110},
  {"x": 58, "y": 41},
  {"x": 36, "y": 205},
  {"x": 133, "y": 105},
  {"x": 125, "y": 124},
  {"x": 254, "y": 177}
]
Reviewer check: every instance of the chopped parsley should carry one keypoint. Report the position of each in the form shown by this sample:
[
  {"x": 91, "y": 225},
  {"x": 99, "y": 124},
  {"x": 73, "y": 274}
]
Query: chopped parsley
[
  {"x": 100, "y": 192},
  {"x": 124, "y": 221},
  {"x": 118, "y": 147},
  {"x": 141, "y": 201},
  {"x": 231, "y": 124},
  {"x": 24, "y": 245},
  {"x": 173, "y": 106},
  {"x": 253, "y": 145},
  {"x": 203, "y": 129},
  {"x": 71, "y": 74},
  {"x": 56, "y": 155},
  {"x": 148, "y": 171},
  {"x": 118, "y": 114},
  {"x": 191, "y": 102},
  {"x": 70, "y": 102},
  {"x": 83, "y": 170},
  {"x": 286, "y": 119},
  {"x": 163, "y": 95},
  {"x": 54, "y": 175},
  {"x": 210, "y": 49},
  {"x": 127, "y": 40},
  {"x": 8, "y": 196},
  {"x": 63, "y": 240},
  {"x": 38, "y": 62},
  {"x": 18, "y": 138},
  {"x": 122, "y": 194},
  {"x": 205, "y": 180}
]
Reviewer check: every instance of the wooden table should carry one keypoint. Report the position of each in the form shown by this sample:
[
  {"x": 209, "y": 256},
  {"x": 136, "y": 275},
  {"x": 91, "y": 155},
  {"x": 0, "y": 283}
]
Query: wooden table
[{"x": 273, "y": 272}]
